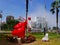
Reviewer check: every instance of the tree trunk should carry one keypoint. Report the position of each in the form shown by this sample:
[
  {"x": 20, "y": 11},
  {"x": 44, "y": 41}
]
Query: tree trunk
[
  {"x": 0, "y": 24},
  {"x": 57, "y": 19}
]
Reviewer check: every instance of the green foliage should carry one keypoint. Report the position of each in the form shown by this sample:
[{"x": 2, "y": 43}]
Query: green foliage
[
  {"x": 4, "y": 26},
  {"x": 52, "y": 10},
  {"x": 53, "y": 5},
  {"x": 54, "y": 28},
  {"x": 9, "y": 24}
]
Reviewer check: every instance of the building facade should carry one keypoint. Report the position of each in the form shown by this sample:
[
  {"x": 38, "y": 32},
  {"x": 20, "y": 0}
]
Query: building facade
[{"x": 39, "y": 24}]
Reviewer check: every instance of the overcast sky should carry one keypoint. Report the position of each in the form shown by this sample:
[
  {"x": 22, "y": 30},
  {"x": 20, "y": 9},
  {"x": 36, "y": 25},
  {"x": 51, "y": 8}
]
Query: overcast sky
[{"x": 16, "y": 8}]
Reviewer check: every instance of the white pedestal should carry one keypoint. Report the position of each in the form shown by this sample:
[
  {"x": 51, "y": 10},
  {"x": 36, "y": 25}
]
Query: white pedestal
[{"x": 45, "y": 38}]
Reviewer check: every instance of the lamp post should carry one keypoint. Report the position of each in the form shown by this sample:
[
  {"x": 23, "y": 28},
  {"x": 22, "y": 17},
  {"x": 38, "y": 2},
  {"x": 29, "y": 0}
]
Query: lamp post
[
  {"x": 27, "y": 12},
  {"x": 45, "y": 18}
]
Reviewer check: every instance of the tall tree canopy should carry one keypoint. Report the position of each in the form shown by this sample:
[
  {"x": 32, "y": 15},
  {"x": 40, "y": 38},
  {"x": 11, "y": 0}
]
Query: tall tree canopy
[{"x": 55, "y": 9}]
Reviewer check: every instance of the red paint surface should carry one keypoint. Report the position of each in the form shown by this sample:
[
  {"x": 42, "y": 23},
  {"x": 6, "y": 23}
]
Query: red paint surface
[{"x": 19, "y": 29}]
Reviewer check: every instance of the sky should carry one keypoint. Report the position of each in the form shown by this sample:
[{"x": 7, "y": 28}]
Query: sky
[{"x": 17, "y": 8}]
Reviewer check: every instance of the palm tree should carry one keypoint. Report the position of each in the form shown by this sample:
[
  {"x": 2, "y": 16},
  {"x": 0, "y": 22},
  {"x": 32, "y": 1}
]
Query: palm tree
[{"x": 55, "y": 6}]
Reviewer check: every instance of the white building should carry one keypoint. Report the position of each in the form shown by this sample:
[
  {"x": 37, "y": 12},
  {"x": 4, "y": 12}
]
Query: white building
[{"x": 38, "y": 24}]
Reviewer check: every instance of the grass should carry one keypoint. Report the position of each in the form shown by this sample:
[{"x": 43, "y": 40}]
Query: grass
[
  {"x": 53, "y": 39},
  {"x": 40, "y": 35},
  {"x": 51, "y": 42}
]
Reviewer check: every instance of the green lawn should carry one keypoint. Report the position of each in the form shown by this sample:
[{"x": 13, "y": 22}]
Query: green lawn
[
  {"x": 53, "y": 39},
  {"x": 40, "y": 35}
]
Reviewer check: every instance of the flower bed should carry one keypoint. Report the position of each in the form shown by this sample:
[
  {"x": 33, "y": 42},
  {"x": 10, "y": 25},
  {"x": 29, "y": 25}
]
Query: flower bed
[
  {"x": 11, "y": 39},
  {"x": 27, "y": 39}
]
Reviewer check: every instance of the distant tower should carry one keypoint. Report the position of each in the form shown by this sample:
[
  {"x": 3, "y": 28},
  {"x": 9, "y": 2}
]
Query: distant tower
[{"x": 9, "y": 18}]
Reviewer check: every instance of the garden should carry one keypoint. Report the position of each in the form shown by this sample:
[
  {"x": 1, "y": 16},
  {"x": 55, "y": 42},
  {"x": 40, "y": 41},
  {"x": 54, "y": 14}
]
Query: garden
[{"x": 54, "y": 39}]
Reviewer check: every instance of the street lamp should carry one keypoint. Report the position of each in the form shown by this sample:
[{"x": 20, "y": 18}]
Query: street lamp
[
  {"x": 45, "y": 18},
  {"x": 27, "y": 11}
]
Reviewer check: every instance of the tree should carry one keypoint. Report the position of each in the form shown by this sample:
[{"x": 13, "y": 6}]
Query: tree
[
  {"x": 54, "y": 28},
  {"x": 11, "y": 24},
  {"x": 49, "y": 28},
  {"x": 1, "y": 20},
  {"x": 55, "y": 6},
  {"x": 4, "y": 27}
]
